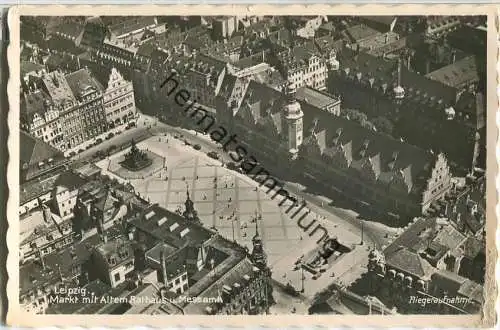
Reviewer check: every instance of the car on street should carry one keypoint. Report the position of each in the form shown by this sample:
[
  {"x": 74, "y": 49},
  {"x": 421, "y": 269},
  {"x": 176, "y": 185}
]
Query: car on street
[
  {"x": 213, "y": 154},
  {"x": 110, "y": 135},
  {"x": 232, "y": 166},
  {"x": 197, "y": 147}
]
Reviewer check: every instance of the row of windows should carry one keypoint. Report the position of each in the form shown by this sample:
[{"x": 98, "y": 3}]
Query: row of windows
[{"x": 121, "y": 100}]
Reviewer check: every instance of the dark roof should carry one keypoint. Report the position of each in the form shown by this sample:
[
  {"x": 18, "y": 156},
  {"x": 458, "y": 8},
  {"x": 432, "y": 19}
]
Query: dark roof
[
  {"x": 101, "y": 74},
  {"x": 412, "y": 162},
  {"x": 116, "y": 251},
  {"x": 27, "y": 67},
  {"x": 73, "y": 30},
  {"x": 410, "y": 262},
  {"x": 35, "y": 151},
  {"x": 461, "y": 72},
  {"x": 456, "y": 284},
  {"x": 232, "y": 276},
  {"x": 386, "y": 20},
  {"x": 384, "y": 71},
  {"x": 196, "y": 234},
  {"x": 33, "y": 276},
  {"x": 81, "y": 82},
  {"x": 34, "y": 103},
  {"x": 316, "y": 98},
  {"x": 105, "y": 200},
  {"x": 132, "y": 24},
  {"x": 472, "y": 247},
  {"x": 359, "y": 32}
]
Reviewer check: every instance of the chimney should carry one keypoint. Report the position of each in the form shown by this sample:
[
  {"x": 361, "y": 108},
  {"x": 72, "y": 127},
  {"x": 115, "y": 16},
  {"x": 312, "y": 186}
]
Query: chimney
[{"x": 163, "y": 264}]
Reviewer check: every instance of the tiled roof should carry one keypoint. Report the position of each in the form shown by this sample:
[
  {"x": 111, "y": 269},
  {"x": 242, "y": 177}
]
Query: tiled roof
[
  {"x": 327, "y": 43},
  {"x": 73, "y": 30},
  {"x": 58, "y": 88},
  {"x": 448, "y": 281},
  {"x": 387, "y": 155},
  {"x": 69, "y": 180},
  {"x": 34, "y": 189},
  {"x": 27, "y": 67},
  {"x": 196, "y": 235},
  {"x": 413, "y": 236},
  {"x": 386, "y": 20},
  {"x": 316, "y": 98},
  {"x": 81, "y": 82},
  {"x": 232, "y": 276},
  {"x": 472, "y": 247},
  {"x": 410, "y": 262},
  {"x": 34, "y": 103},
  {"x": 35, "y": 151},
  {"x": 383, "y": 71},
  {"x": 472, "y": 290},
  {"x": 105, "y": 201},
  {"x": 132, "y": 24},
  {"x": 461, "y": 72},
  {"x": 116, "y": 251},
  {"x": 360, "y": 32},
  {"x": 33, "y": 276}
]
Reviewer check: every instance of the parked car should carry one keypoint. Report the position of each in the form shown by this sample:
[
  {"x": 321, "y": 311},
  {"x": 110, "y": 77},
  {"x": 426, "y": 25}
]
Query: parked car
[
  {"x": 213, "y": 154},
  {"x": 98, "y": 141},
  {"x": 197, "y": 147},
  {"x": 111, "y": 148},
  {"x": 71, "y": 154},
  {"x": 232, "y": 166},
  {"x": 81, "y": 150},
  {"x": 100, "y": 154},
  {"x": 110, "y": 135}
]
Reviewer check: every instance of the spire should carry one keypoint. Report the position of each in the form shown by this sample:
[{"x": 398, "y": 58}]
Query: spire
[
  {"x": 258, "y": 256},
  {"x": 189, "y": 213},
  {"x": 399, "y": 92},
  {"x": 256, "y": 236}
]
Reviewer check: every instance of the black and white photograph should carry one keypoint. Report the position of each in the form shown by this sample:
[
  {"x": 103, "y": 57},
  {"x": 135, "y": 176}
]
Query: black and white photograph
[{"x": 253, "y": 165}]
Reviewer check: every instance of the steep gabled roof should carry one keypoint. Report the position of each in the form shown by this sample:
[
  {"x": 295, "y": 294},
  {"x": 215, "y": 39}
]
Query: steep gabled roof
[
  {"x": 410, "y": 262},
  {"x": 81, "y": 82},
  {"x": 34, "y": 151}
]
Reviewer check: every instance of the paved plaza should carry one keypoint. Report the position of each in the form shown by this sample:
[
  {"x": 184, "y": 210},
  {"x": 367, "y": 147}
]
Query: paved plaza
[{"x": 232, "y": 203}]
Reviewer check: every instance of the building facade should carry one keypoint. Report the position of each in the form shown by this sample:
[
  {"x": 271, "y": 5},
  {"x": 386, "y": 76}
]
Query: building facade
[
  {"x": 119, "y": 101},
  {"x": 65, "y": 110}
]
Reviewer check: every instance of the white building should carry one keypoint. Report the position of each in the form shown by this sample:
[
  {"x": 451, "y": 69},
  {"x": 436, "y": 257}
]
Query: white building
[{"x": 119, "y": 101}]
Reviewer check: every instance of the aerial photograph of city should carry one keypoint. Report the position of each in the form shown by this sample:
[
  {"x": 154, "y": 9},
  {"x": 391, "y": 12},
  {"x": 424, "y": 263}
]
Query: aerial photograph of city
[{"x": 216, "y": 165}]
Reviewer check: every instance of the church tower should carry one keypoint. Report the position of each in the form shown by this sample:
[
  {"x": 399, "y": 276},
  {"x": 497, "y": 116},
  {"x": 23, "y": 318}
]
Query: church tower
[
  {"x": 293, "y": 120},
  {"x": 190, "y": 213},
  {"x": 258, "y": 256}
]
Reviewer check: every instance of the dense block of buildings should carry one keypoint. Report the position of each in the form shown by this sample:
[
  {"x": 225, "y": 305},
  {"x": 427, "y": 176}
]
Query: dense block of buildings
[
  {"x": 155, "y": 254},
  {"x": 370, "y": 167},
  {"x": 425, "y": 112},
  {"x": 426, "y": 262},
  {"x": 66, "y": 110}
]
